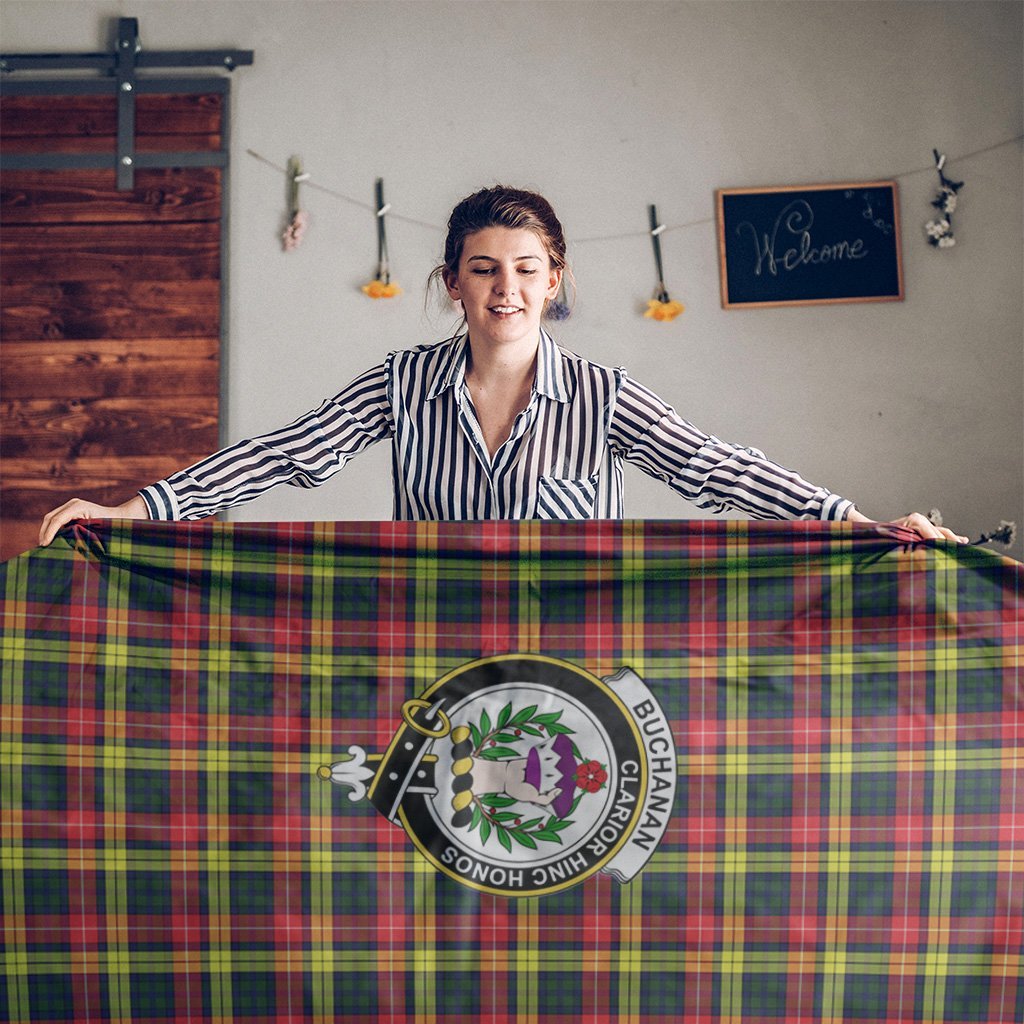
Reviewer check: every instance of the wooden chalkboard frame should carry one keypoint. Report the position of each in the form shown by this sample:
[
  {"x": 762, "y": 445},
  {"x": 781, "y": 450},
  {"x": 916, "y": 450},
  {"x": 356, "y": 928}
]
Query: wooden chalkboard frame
[{"x": 740, "y": 294}]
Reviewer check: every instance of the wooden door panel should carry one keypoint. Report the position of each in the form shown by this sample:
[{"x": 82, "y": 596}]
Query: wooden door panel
[
  {"x": 111, "y": 369},
  {"x": 111, "y": 305},
  {"x": 105, "y": 252},
  {"x": 32, "y": 483},
  {"x": 46, "y": 118},
  {"x": 91, "y": 309},
  {"x": 102, "y": 144},
  {"x": 77, "y": 197},
  {"x": 70, "y": 428}
]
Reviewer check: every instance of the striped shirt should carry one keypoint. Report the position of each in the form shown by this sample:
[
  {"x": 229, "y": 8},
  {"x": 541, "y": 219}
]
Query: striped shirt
[{"x": 562, "y": 460}]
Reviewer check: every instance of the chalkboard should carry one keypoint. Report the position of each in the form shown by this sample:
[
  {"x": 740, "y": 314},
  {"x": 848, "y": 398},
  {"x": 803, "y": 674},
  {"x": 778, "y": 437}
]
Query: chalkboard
[{"x": 810, "y": 244}]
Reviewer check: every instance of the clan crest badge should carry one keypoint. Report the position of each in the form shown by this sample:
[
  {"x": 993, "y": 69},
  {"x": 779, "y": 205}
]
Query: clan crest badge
[{"x": 522, "y": 775}]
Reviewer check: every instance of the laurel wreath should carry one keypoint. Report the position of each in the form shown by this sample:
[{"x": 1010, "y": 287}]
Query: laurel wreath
[{"x": 492, "y": 812}]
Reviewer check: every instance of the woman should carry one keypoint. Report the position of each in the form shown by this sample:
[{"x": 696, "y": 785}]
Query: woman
[{"x": 497, "y": 422}]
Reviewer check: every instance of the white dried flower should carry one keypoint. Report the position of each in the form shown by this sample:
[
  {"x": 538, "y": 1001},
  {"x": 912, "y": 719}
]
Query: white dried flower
[{"x": 947, "y": 242}]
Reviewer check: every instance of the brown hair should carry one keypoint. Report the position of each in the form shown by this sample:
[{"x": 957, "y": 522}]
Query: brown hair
[{"x": 501, "y": 207}]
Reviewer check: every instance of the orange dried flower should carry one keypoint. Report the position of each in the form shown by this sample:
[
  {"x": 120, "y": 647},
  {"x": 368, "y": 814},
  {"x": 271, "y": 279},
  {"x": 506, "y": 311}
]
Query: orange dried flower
[
  {"x": 664, "y": 311},
  {"x": 381, "y": 290}
]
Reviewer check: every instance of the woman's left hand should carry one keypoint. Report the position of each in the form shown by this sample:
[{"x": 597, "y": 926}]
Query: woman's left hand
[{"x": 919, "y": 524}]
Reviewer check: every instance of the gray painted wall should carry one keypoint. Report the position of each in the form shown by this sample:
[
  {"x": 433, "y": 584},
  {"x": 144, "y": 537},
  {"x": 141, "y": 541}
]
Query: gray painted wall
[{"x": 606, "y": 107}]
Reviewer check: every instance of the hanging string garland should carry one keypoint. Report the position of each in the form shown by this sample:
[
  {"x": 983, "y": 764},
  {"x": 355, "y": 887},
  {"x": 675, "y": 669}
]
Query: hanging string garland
[
  {"x": 661, "y": 307},
  {"x": 940, "y": 232},
  {"x": 382, "y": 287}
]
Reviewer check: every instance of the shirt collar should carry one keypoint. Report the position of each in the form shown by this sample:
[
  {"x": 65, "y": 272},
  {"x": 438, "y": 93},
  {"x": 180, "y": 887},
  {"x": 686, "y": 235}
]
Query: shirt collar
[
  {"x": 451, "y": 369},
  {"x": 551, "y": 378}
]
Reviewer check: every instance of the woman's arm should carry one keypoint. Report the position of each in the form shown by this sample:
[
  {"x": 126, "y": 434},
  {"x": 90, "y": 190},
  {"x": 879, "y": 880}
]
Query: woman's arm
[
  {"x": 305, "y": 453},
  {"x": 715, "y": 474},
  {"x": 710, "y": 472}
]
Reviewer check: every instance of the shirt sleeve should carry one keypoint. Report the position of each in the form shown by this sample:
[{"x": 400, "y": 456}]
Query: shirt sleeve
[
  {"x": 304, "y": 454},
  {"x": 711, "y": 473}
]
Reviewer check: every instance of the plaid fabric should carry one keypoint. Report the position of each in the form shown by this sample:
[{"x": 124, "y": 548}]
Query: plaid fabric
[{"x": 847, "y": 834}]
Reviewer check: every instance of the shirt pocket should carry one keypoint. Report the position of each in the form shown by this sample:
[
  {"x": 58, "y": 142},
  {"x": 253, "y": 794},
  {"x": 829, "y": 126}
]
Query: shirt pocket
[{"x": 565, "y": 498}]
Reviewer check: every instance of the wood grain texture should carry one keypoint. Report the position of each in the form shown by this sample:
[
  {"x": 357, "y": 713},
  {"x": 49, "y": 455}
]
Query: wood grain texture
[
  {"x": 17, "y": 535},
  {"x": 31, "y": 487},
  {"x": 179, "y": 143},
  {"x": 89, "y": 310},
  {"x": 111, "y": 369},
  {"x": 82, "y": 197},
  {"x": 110, "y": 252},
  {"x": 110, "y": 307},
  {"x": 90, "y": 116},
  {"x": 113, "y": 427}
]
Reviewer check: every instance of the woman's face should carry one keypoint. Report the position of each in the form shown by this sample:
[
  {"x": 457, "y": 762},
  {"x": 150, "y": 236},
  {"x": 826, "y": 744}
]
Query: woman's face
[{"x": 505, "y": 278}]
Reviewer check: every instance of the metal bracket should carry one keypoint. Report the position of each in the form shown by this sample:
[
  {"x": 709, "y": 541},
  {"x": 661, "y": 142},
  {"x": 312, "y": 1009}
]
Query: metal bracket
[
  {"x": 123, "y": 65},
  {"x": 128, "y": 46}
]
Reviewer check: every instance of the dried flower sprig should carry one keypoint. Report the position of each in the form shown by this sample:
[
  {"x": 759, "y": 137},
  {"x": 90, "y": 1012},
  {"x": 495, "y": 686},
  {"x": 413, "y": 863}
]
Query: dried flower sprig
[
  {"x": 299, "y": 219},
  {"x": 558, "y": 308},
  {"x": 940, "y": 231},
  {"x": 1004, "y": 533},
  {"x": 292, "y": 236},
  {"x": 381, "y": 287},
  {"x": 661, "y": 307},
  {"x": 664, "y": 311}
]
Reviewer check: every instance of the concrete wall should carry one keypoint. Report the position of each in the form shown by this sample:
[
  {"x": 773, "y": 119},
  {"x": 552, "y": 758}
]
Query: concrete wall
[{"x": 606, "y": 107}]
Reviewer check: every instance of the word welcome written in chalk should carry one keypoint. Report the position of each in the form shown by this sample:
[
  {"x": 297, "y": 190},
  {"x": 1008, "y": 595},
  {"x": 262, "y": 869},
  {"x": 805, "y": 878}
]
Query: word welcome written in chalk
[
  {"x": 812, "y": 244},
  {"x": 796, "y": 220}
]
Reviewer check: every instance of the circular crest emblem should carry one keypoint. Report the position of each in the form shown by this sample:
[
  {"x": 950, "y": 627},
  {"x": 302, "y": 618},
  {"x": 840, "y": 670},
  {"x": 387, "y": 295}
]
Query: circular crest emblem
[{"x": 522, "y": 775}]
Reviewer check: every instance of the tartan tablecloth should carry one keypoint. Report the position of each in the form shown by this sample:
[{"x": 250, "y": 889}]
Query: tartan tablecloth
[{"x": 517, "y": 773}]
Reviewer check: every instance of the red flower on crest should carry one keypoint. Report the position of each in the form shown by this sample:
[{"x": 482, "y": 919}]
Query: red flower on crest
[{"x": 591, "y": 776}]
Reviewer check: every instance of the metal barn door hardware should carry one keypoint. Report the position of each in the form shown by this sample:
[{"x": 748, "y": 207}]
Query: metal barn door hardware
[{"x": 122, "y": 67}]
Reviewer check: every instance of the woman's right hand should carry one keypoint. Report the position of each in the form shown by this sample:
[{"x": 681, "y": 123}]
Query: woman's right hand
[{"x": 77, "y": 508}]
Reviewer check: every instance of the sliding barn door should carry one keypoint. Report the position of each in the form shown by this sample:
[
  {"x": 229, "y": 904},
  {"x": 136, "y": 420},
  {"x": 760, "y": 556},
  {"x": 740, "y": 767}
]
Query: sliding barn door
[{"x": 111, "y": 300}]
